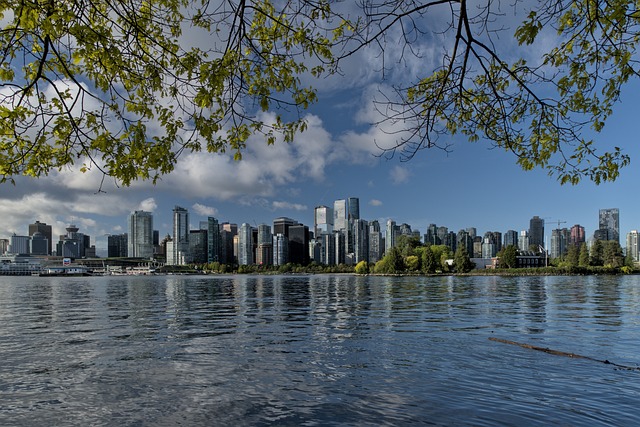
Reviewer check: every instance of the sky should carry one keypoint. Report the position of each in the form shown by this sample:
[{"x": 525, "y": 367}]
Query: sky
[{"x": 335, "y": 158}]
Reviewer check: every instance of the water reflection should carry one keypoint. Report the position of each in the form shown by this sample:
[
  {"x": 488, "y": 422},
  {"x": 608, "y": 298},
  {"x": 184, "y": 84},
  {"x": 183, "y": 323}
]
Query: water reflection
[{"x": 293, "y": 350}]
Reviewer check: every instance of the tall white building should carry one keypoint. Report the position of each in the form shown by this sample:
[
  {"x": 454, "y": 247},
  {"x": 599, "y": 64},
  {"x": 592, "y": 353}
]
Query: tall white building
[
  {"x": 245, "y": 245},
  {"x": 633, "y": 238},
  {"x": 140, "y": 238},
  {"x": 340, "y": 212},
  {"x": 322, "y": 221}
]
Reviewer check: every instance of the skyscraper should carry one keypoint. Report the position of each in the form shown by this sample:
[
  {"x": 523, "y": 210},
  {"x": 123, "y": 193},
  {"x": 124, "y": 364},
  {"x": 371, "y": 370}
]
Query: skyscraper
[
  {"x": 264, "y": 250},
  {"x": 340, "y": 212},
  {"x": 213, "y": 240},
  {"x": 245, "y": 245},
  {"x": 140, "y": 235},
  {"x": 45, "y": 230},
  {"x": 608, "y": 225},
  {"x": 353, "y": 204},
  {"x": 511, "y": 238},
  {"x": 577, "y": 237},
  {"x": 633, "y": 241},
  {"x": 322, "y": 220},
  {"x": 559, "y": 242},
  {"x": 180, "y": 236},
  {"x": 536, "y": 232}
]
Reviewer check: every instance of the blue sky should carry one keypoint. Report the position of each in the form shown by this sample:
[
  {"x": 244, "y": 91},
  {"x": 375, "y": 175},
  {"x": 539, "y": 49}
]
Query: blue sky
[{"x": 472, "y": 186}]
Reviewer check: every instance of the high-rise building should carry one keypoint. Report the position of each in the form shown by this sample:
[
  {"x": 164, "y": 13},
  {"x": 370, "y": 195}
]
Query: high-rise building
[
  {"x": 245, "y": 245},
  {"x": 353, "y": 204},
  {"x": 45, "y": 229},
  {"x": 340, "y": 212},
  {"x": 38, "y": 244},
  {"x": 608, "y": 225},
  {"x": 523, "y": 241},
  {"x": 198, "y": 245},
  {"x": 431, "y": 237},
  {"x": 19, "y": 245},
  {"x": 633, "y": 247},
  {"x": 361, "y": 240},
  {"x": 489, "y": 246},
  {"x": 213, "y": 240},
  {"x": 511, "y": 238},
  {"x": 322, "y": 220},
  {"x": 390, "y": 235},
  {"x": 118, "y": 245},
  {"x": 577, "y": 237},
  {"x": 299, "y": 244},
  {"x": 536, "y": 231},
  {"x": 180, "y": 253},
  {"x": 140, "y": 235},
  {"x": 280, "y": 249},
  {"x": 375, "y": 242},
  {"x": 264, "y": 250},
  {"x": 559, "y": 242},
  {"x": 464, "y": 239}
]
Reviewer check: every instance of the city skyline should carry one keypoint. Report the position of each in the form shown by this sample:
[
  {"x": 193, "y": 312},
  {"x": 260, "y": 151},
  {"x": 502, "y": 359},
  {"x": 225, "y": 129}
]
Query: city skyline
[
  {"x": 470, "y": 186},
  {"x": 141, "y": 223}
]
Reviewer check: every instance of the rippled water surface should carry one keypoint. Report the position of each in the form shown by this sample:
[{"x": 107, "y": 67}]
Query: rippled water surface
[{"x": 318, "y": 350}]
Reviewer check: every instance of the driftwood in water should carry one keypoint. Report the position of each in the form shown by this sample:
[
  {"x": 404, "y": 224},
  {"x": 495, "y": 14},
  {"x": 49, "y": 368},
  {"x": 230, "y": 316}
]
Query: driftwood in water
[{"x": 562, "y": 353}]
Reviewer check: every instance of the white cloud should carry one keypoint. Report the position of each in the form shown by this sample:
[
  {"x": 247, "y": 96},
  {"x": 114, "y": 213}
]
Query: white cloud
[
  {"x": 287, "y": 205},
  {"x": 375, "y": 202},
  {"x": 204, "y": 210},
  {"x": 399, "y": 175},
  {"x": 148, "y": 205}
]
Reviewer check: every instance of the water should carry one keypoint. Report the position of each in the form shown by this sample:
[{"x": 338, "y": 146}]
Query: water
[{"x": 318, "y": 350}]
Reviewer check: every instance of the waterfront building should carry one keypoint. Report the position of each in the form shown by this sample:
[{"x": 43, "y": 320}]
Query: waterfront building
[
  {"x": 340, "y": 215},
  {"x": 559, "y": 242},
  {"x": 41, "y": 227},
  {"x": 322, "y": 220},
  {"x": 361, "y": 240},
  {"x": 198, "y": 241},
  {"x": 523, "y": 241},
  {"x": 577, "y": 235},
  {"x": 74, "y": 244},
  {"x": 536, "y": 232},
  {"x": 264, "y": 248},
  {"x": 140, "y": 235},
  {"x": 390, "y": 235},
  {"x": 19, "y": 245},
  {"x": 38, "y": 244},
  {"x": 245, "y": 245},
  {"x": 431, "y": 236},
  {"x": 491, "y": 244},
  {"x": 608, "y": 225},
  {"x": 4, "y": 246},
  {"x": 633, "y": 248},
  {"x": 375, "y": 242},
  {"x": 477, "y": 247},
  {"x": 353, "y": 206},
  {"x": 511, "y": 238},
  {"x": 213, "y": 239},
  {"x": 464, "y": 239},
  {"x": 280, "y": 249},
  {"x": 180, "y": 243},
  {"x": 118, "y": 245},
  {"x": 299, "y": 244}
]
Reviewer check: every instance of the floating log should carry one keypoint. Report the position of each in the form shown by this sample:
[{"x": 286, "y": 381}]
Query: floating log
[{"x": 563, "y": 353}]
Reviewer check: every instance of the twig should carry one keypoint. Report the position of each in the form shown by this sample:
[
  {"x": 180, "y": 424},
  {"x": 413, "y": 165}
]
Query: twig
[{"x": 562, "y": 353}]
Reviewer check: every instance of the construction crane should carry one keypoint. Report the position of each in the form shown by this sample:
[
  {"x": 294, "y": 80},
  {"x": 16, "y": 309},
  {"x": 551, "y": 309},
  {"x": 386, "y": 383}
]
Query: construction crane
[{"x": 558, "y": 222}]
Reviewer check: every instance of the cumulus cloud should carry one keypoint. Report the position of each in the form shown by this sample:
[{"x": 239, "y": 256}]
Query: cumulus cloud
[
  {"x": 399, "y": 175},
  {"x": 290, "y": 206},
  {"x": 148, "y": 205},
  {"x": 375, "y": 202},
  {"x": 204, "y": 210}
]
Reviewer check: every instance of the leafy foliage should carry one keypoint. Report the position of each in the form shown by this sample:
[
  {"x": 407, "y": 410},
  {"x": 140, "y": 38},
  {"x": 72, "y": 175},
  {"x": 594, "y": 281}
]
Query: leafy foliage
[{"x": 128, "y": 86}]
